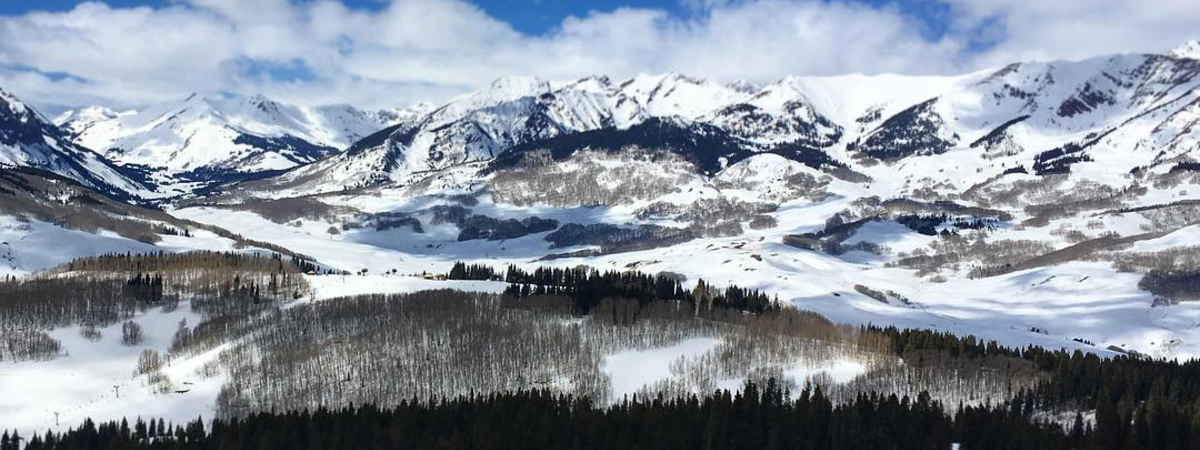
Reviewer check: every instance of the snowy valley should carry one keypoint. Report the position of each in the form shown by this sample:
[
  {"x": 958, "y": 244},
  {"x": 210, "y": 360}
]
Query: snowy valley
[{"x": 1053, "y": 204}]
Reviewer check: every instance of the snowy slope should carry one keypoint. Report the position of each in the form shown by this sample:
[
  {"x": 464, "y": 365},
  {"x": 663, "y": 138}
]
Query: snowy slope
[
  {"x": 1190, "y": 49},
  {"x": 985, "y": 183},
  {"x": 1025, "y": 176},
  {"x": 930, "y": 186},
  {"x": 1042, "y": 116},
  {"x": 27, "y": 139},
  {"x": 47, "y": 220},
  {"x": 213, "y": 138},
  {"x": 1027, "y": 204},
  {"x": 512, "y": 111}
]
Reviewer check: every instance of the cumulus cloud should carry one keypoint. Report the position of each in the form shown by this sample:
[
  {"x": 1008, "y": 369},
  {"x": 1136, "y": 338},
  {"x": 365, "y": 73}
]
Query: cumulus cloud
[
  {"x": 1075, "y": 29},
  {"x": 322, "y": 51}
]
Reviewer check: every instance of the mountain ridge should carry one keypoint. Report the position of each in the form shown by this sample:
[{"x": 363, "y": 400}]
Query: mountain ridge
[
  {"x": 869, "y": 119},
  {"x": 224, "y": 138},
  {"x": 992, "y": 201},
  {"x": 28, "y": 139}
]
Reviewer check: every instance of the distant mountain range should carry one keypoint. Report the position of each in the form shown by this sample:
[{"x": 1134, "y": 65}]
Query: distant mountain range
[
  {"x": 28, "y": 139},
  {"x": 1108, "y": 115},
  {"x": 1005, "y": 202},
  {"x": 206, "y": 139}
]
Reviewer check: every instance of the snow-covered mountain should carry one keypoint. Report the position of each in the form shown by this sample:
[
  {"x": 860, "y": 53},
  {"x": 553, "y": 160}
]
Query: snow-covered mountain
[
  {"x": 1037, "y": 180},
  {"x": 513, "y": 111},
  {"x": 204, "y": 139},
  {"x": 28, "y": 139},
  {"x": 1190, "y": 49},
  {"x": 963, "y": 196},
  {"x": 1047, "y": 203},
  {"x": 1038, "y": 117}
]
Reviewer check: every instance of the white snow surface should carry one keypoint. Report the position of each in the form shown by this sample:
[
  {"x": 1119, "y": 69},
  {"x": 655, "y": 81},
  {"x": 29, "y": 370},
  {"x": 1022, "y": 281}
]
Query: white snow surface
[
  {"x": 28, "y": 245},
  {"x": 1124, "y": 111},
  {"x": 1190, "y": 49},
  {"x": 202, "y": 132},
  {"x": 28, "y": 139},
  {"x": 1049, "y": 306},
  {"x": 1129, "y": 110},
  {"x": 96, "y": 379},
  {"x": 631, "y": 370}
]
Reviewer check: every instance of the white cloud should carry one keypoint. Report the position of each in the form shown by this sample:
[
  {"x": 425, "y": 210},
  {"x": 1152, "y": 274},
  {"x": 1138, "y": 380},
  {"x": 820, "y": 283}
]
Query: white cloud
[
  {"x": 429, "y": 49},
  {"x": 1074, "y": 29}
]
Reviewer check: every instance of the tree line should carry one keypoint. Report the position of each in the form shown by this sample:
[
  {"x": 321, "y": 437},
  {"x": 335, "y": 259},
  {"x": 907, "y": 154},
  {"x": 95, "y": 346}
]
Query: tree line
[
  {"x": 385, "y": 349},
  {"x": 1138, "y": 402},
  {"x": 462, "y": 271},
  {"x": 587, "y": 287},
  {"x": 758, "y": 417},
  {"x": 99, "y": 291},
  {"x": 555, "y": 330}
]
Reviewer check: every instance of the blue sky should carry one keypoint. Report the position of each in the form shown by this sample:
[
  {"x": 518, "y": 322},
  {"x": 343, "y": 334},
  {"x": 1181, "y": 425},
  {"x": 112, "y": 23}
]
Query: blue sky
[
  {"x": 382, "y": 53},
  {"x": 530, "y": 16},
  {"x": 533, "y": 16}
]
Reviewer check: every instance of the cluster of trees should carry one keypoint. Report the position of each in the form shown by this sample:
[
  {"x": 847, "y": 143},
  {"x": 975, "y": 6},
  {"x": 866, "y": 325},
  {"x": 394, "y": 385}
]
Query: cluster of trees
[
  {"x": 593, "y": 178},
  {"x": 830, "y": 238},
  {"x": 587, "y": 287},
  {"x": 719, "y": 216},
  {"x": 388, "y": 350},
  {"x": 132, "y": 334},
  {"x": 178, "y": 262},
  {"x": 973, "y": 254},
  {"x": 790, "y": 187},
  {"x": 1172, "y": 216},
  {"x": 957, "y": 372},
  {"x": 1139, "y": 403},
  {"x": 1172, "y": 286},
  {"x": 383, "y": 221},
  {"x": 1174, "y": 259},
  {"x": 759, "y": 417},
  {"x": 1059, "y": 160},
  {"x": 385, "y": 349},
  {"x": 144, "y": 288},
  {"x": 616, "y": 239},
  {"x": 49, "y": 303},
  {"x": 733, "y": 297},
  {"x": 475, "y": 226},
  {"x": 283, "y": 210},
  {"x": 462, "y": 271},
  {"x": 223, "y": 287},
  {"x": 191, "y": 261},
  {"x": 27, "y": 344},
  {"x": 928, "y": 224},
  {"x": 100, "y": 293},
  {"x": 172, "y": 231}
]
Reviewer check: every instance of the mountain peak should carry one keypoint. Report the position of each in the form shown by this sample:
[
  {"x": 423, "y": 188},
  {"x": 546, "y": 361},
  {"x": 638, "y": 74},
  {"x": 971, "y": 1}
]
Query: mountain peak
[
  {"x": 517, "y": 86},
  {"x": 90, "y": 114},
  {"x": 1189, "y": 50},
  {"x": 28, "y": 139},
  {"x": 667, "y": 79},
  {"x": 743, "y": 86},
  {"x": 195, "y": 100},
  {"x": 595, "y": 83},
  {"x": 14, "y": 105},
  {"x": 259, "y": 100}
]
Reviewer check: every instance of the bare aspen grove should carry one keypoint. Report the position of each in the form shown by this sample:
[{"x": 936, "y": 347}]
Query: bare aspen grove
[
  {"x": 96, "y": 292},
  {"x": 433, "y": 345},
  {"x": 553, "y": 330}
]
